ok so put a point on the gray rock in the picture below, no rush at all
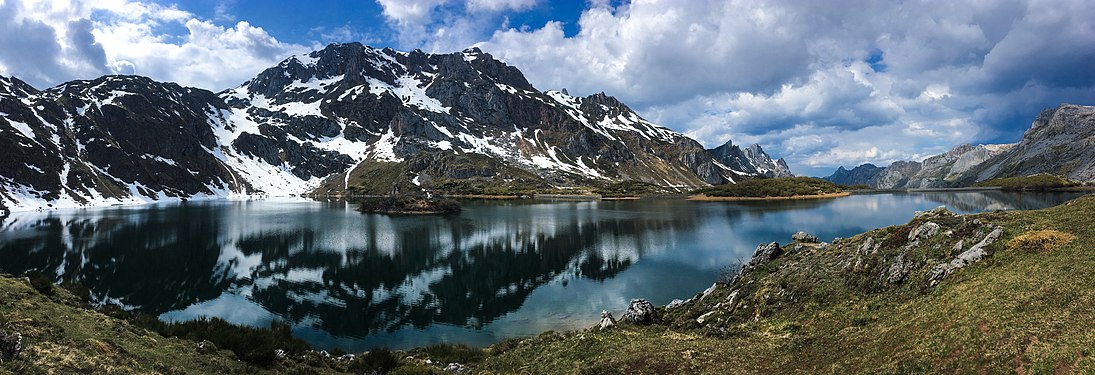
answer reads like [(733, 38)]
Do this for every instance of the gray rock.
[(973, 255), (765, 253), (899, 270), (732, 300), (455, 368), (925, 230), (804, 237), (607, 321), (938, 211), (639, 311), (675, 304), (709, 290), (704, 317)]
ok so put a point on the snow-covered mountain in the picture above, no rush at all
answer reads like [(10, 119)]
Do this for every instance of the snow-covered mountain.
[(348, 119), (750, 162)]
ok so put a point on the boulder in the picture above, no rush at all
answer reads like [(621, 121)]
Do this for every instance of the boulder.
[(607, 321), (925, 230), (765, 252), (640, 312), (804, 237)]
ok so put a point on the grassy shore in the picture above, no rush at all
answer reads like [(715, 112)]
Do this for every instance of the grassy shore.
[(704, 197), (772, 188), (866, 304)]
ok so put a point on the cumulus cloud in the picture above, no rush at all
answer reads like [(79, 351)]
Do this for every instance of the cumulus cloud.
[(80, 40), (447, 25), (823, 83)]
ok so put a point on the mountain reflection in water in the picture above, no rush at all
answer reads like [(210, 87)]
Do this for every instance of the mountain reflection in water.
[(496, 270)]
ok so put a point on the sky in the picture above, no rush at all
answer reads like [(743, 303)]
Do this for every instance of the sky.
[(820, 83)]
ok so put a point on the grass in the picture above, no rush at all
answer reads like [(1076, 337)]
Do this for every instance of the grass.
[(629, 188), (773, 188), (1029, 183)]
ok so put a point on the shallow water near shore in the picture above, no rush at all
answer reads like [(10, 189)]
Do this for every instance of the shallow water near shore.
[(497, 270)]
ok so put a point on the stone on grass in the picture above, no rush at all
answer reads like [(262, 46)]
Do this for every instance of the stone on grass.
[(639, 311)]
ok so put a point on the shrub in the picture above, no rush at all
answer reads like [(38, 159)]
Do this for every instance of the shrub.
[(40, 282), (253, 345), (1040, 240), (448, 353), (376, 361)]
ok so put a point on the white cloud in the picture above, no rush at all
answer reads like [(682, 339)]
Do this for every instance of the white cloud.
[(81, 40), (795, 76), (499, 5)]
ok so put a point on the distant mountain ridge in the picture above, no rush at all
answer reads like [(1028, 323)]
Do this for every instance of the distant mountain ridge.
[(347, 119), (1059, 142)]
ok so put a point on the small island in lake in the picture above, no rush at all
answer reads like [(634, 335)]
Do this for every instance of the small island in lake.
[(771, 189), (409, 205)]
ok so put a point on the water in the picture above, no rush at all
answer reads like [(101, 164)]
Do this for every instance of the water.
[(497, 270)]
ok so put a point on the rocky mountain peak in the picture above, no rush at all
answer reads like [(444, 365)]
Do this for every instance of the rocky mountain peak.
[(11, 87)]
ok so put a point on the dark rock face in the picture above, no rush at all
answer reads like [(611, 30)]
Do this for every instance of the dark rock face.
[(866, 174), (750, 161), (113, 137)]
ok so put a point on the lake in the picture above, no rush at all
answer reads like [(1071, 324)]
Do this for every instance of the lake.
[(499, 269)]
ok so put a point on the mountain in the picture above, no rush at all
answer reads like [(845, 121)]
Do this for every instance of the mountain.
[(347, 119), (943, 170), (1059, 142), (750, 162), (866, 174)]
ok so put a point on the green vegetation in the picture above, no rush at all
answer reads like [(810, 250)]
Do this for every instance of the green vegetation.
[(480, 186), (629, 188), (408, 204), (773, 187), (253, 345), (1029, 183)]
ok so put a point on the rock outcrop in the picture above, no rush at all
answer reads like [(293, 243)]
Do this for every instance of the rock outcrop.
[(639, 311)]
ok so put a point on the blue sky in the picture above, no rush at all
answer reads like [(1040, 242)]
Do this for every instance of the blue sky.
[(822, 84)]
